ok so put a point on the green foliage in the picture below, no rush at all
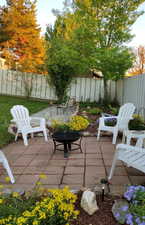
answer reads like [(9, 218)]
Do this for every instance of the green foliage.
[(107, 23), (84, 105), (94, 111), (113, 62), (113, 110), (61, 78), (103, 28), (137, 123), (6, 103), (63, 63)]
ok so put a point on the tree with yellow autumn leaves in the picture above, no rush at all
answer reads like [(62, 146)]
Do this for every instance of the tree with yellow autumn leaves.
[(20, 41)]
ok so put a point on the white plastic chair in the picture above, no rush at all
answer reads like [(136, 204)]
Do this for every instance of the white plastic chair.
[(5, 163), (23, 121), (124, 116), (133, 156)]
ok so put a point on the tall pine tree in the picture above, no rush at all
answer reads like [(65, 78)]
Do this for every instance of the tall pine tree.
[(20, 39)]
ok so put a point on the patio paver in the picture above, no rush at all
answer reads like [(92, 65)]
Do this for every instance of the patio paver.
[(79, 170)]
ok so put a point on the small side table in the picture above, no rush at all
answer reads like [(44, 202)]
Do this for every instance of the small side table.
[(138, 134)]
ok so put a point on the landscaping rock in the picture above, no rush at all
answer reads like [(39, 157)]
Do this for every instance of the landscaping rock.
[(88, 202), (120, 209)]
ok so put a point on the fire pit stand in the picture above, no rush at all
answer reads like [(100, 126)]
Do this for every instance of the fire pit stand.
[(67, 140)]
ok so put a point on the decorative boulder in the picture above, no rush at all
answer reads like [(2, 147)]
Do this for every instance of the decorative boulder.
[(119, 210), (88, 202)]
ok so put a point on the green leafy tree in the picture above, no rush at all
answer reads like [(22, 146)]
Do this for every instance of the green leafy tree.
[(113, 63), (103, 26), (96, 32), (63, 61), (20, 39)]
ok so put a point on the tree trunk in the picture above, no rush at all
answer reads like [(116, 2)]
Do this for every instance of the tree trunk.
[(106, 95)]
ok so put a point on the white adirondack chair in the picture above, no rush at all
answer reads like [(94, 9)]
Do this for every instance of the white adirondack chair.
[(124, 116), (5, 163), (23, 121), (133, 156)]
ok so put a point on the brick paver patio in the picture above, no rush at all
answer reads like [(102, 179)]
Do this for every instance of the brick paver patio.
[(79, 170)]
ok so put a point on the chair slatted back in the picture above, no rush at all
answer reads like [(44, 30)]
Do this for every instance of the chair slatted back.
[(125, 114), (21, 116)]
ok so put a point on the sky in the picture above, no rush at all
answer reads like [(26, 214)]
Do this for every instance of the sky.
[(45, 16)]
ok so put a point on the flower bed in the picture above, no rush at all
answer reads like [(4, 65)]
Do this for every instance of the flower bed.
[(53, 207)]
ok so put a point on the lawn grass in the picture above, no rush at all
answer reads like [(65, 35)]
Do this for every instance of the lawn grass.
[(6, 103)]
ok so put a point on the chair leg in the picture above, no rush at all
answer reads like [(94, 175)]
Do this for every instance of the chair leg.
[(25, 139), (7, 167), (115, 134), (113, 166), (98, 135), (32, 135), (123, 138), (45, 135), (16, 136)]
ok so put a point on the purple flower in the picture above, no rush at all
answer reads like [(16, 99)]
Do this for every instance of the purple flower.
[(124, 208), (130, 192), (117, 214), (137, 220), (140, 187), (128, 195), (142, 223), (129, 219)]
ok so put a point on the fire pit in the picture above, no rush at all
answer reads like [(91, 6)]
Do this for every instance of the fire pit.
[(67, 139)]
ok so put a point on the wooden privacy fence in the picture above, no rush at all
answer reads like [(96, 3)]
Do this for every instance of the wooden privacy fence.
[(22, 84), (132, 89)]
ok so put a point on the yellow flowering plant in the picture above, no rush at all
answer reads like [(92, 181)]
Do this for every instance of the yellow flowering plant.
[(75, 123), (55, 208)]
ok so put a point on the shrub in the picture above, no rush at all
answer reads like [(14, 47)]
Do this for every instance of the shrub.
[(56, 207), (94, 111), (113, 110), (137, 123)]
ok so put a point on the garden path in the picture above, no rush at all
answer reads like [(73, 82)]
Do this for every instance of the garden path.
[(55, 112)]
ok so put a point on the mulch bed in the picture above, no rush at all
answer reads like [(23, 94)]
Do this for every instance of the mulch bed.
[(101, 217)]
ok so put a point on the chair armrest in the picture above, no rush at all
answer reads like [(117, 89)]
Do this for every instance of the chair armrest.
[(110, 117), (106, 115), (12, 121), (41, 119), (130, 147), (103, 119), (36, 118)]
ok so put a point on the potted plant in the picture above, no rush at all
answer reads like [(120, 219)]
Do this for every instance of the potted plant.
[(75, 123)]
